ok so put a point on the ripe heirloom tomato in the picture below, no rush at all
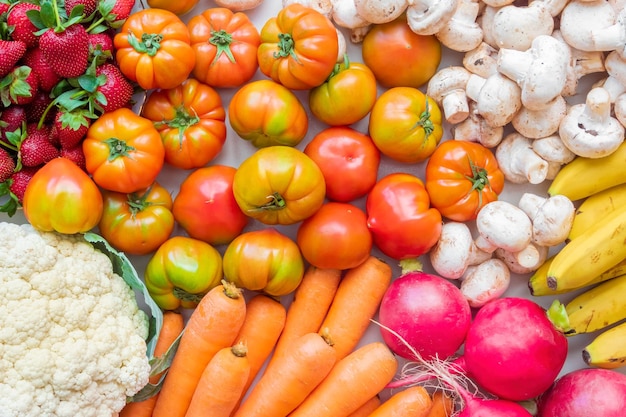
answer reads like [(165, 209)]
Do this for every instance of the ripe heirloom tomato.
[(335, 237), (335, 102), (348, 159), (179, 7), (61, 197), (225, 44), (191, 120), (153, 48), (267, 113), (400, 218), (182, 271), (123, 151), (405, 124), (264, 260), (279, 185), (299, 47), (461, 177), (205, 206), (137, 223), (400, 57)]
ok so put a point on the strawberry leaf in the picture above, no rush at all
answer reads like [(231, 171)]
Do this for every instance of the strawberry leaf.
[(10, 205), (89, 83), (47, 15)]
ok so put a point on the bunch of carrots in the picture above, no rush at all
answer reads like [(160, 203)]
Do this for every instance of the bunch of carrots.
[(314, 366)]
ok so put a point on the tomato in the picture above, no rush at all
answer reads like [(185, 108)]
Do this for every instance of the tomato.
[(405, 124), (267, 113), (400, 217), (205, 206), (137, 223), (123, 151), (335, 237), (400, 57), (348, 159), (225, 44), (153, 48), (61, 197), (182, 271), (264, 260), (191, 121), (335, 102), (279, 185), (461, 177), (299, 47), (179, 7)]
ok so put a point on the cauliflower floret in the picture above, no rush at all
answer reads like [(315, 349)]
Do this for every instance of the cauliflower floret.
[(72, 337)]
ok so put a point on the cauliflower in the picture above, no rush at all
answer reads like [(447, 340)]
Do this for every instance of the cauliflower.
[(72, 337)]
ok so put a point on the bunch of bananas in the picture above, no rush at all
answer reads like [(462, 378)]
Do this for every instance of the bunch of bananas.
[(594, 258)]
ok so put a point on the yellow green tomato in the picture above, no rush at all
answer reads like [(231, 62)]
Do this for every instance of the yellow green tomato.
[(182, 271)]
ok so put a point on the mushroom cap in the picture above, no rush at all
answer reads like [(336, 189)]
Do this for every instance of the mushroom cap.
[(504, 225), (579, 18), (380, 11), (427, 17), (451, 254), (553, 221)]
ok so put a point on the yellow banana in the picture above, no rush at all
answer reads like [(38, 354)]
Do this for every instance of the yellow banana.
[(583, 177), (608, 349), (598, 307), (595, 207), (592, 253)]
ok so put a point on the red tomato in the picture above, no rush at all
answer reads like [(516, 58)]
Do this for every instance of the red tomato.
[(335, 237), (205, 206), (349, 161)]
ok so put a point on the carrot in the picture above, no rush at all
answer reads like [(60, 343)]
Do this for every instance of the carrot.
[(443, 405), (213, 325), (414, 401), (221, 384), (356, 302), (310, 304), (290, 378), (367, 408), (173, 324), (352, 381)]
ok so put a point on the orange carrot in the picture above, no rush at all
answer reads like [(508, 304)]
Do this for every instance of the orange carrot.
[(367, 408), (356, 302), (290, 378), (221, 384), (414, 401), (213, 325), (443, 405), (173, 324), (352, 381), (310, 304)]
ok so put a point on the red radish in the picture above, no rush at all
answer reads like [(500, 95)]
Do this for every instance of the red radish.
[(585, 392), (428, 312)]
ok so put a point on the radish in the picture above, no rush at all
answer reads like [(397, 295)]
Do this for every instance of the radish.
[(585, 392), (428, 312)]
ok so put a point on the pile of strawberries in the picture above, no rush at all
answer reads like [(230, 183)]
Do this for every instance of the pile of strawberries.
[(57, 75)]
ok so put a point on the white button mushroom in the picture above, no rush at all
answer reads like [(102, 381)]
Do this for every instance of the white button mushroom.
[(519, 163), (535, 124), (447, 88), (620, 109), (580, 18), (497, 97), (462, 33), (553, 150), (325, 7), (475, 129), (380, 11), (588, 129), (615, 65), (427, 17), (485, 282), (501, 224), (525, 261), (551, 217), (515, 27), (344, 15), (611, 38), (482, 60), (485, 20)]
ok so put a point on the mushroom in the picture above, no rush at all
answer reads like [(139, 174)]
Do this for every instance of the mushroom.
[(325, 7), (380, 11), (462, 33), (551, 217), (485, 282), (447, 88), (615, 83), (611, 38), (501, 224), (540, 70), (588, 129), (580, 18), (498, 98), (519, 163), (427, 17), (525, 261), (475, 129), (620, 109), (344, 15), (455, 251), (481, 60), (535, 124), (515, 27), (552, 150), (485, 20), (238, 5)]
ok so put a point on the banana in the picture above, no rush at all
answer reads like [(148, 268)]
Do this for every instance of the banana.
[(596, 207), (598, 307), (592, 253), (608, 349), (583, 177)]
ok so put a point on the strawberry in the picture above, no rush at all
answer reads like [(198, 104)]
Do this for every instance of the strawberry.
[(22, 29), (36, 108), (69, 128), (90, 6), (7, 165), (11, 119), (11, 52), (115, 87), (100, 47), (19, 180), (36, 149), (76, 155), (4, 7), (67, 51), (19, 86), (35, 59), (122, 9)]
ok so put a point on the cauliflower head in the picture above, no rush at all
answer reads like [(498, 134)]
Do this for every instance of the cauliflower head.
[(72, 337)]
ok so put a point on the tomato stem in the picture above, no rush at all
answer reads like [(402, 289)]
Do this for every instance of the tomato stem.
[(150, 43), (138, 202), (222, 40), (479, 180), (181, 121), (118, 148), (286, 46), (425, 121), (276, 202)]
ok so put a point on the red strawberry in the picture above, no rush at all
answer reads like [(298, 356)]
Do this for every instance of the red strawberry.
[(76, 155), (36, 149), (21, 86), (22, 28), (35, 59), (36, 108), (90, 6), (116, 88), (19, 181), (69, 128), (100, 47), (4, 7), (7, 165), (11, 119), (67, 52), (122, 9), (11, 52)]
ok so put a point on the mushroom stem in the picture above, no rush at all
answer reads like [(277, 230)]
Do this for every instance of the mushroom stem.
[(519, 162)]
